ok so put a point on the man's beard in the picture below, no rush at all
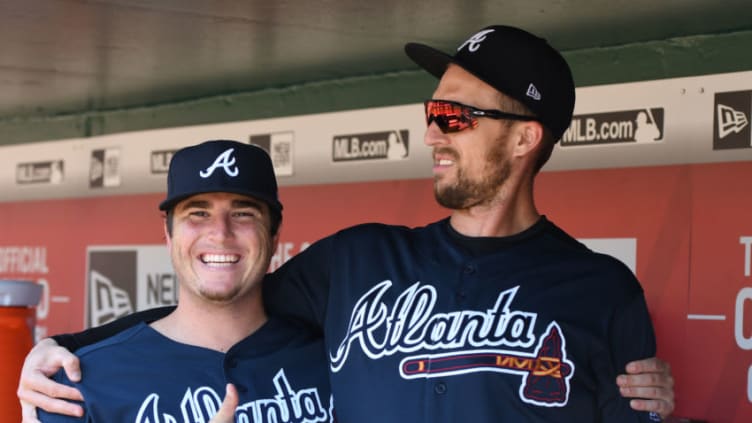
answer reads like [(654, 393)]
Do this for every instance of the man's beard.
[(465, 192), (222, 296)]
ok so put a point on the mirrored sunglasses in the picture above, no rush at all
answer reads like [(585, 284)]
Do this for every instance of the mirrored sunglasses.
[(451, 116)]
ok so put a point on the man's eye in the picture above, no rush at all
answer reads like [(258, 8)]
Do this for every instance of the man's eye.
[(199, 213), (246, 213)]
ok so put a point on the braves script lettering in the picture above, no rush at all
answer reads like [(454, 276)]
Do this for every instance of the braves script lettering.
[(412, 326), (199, 405)]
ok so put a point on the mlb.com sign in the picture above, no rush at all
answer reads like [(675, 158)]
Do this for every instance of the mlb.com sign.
[(641, 126), (390, 145)]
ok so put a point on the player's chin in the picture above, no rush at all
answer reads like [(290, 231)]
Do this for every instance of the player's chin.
[(221, 296)]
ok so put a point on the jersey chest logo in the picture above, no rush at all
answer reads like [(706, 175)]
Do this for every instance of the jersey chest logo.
[(494, 340), (201, 404)]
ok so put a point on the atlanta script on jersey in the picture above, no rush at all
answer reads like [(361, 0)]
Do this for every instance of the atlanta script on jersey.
[(425, 325), (140, 376)]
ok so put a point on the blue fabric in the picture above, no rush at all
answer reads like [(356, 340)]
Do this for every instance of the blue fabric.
[(419, 329), (141, 376)]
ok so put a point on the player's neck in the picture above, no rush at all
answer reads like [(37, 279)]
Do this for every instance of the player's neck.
[(212, 326), (511, 213)]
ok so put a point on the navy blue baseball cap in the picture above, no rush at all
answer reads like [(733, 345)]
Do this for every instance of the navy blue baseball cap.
[(515, 62), (221, 166)]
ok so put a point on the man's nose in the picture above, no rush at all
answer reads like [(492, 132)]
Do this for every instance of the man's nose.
[(222, 226), (434, 135)]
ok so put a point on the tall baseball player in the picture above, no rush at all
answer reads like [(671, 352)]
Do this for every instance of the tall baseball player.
[(493, 314), (222, 216)]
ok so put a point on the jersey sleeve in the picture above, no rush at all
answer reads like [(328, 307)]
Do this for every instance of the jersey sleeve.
[(46, 417), (631, 337), (74, 341), (299, 290)]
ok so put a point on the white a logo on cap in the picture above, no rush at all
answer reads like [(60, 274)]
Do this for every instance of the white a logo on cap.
[(225, 161), (473, 42)]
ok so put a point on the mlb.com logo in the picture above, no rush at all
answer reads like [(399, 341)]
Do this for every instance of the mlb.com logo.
[(385, 145), (731, 115)]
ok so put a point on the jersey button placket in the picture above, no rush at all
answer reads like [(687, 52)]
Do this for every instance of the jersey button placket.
[(460, 296), (468, 273), (440, 388), (231, 363)]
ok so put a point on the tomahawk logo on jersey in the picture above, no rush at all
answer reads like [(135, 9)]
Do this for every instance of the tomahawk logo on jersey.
[(412, 326)]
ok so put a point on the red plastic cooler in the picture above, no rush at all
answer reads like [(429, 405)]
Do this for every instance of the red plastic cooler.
[(18, 300)]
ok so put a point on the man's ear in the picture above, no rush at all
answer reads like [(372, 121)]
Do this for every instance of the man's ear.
[(529, 137), (275, 241), (167, 236)]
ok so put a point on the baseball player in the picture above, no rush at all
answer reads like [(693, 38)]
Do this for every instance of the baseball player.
[(493, 314), (222, 216)]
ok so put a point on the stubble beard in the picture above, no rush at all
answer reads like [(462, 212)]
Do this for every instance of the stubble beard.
[(467, 192), (222, 297)]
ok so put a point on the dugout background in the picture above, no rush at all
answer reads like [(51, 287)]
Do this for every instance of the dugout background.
[(96, 96)]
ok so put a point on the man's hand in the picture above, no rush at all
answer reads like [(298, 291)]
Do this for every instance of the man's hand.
[(35, 389), (226, 413), (651, 382)]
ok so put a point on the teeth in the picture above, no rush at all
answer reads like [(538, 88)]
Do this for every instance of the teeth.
[(219, 258), (446, 162)]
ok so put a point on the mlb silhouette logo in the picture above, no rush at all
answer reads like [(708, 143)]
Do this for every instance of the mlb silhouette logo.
[(731, 115)]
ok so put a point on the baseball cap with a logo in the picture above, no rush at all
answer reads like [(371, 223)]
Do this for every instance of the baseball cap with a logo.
[(221, 166), (515, 62)]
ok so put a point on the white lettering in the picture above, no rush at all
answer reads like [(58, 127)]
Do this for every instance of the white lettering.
[(23, 260), (412, 325), (591, 133), (749, 384), (354, 148), (161, 289), (286, 406), (43, 308), (747, 242), (616, 130), (201, 404), (744, 342), (340, 148)]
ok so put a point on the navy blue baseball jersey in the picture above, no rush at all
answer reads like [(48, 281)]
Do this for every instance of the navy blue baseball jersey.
[(425, 325), (140, 376)]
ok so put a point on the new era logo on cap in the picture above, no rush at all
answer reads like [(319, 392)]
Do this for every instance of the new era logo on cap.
[(533, 92), (221, 166)]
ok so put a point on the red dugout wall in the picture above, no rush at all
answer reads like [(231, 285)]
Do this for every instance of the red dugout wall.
[(81, 218), (688, 221)]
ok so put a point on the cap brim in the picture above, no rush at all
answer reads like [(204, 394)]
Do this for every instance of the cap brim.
[(432, 60), (171, 202)]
